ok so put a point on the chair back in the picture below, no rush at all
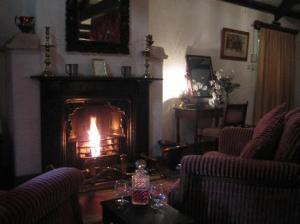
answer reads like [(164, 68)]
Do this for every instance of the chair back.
[(235, 114)]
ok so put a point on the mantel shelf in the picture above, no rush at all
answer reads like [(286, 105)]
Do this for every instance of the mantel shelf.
[(91, 78)]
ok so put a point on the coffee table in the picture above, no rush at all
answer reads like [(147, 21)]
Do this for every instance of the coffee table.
[(142, 214)]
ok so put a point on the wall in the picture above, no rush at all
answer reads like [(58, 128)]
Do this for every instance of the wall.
[(27, 149), (194, 27), (53, 15)]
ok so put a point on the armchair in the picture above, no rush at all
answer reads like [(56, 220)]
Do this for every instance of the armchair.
[(51, 197), (220, 187)]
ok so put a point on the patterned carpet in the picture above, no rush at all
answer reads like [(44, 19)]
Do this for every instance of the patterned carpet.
[(90, 201)]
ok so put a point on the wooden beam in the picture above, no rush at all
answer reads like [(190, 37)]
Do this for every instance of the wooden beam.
[(253, 5), (263, 7), (258, 25), (284, 8)]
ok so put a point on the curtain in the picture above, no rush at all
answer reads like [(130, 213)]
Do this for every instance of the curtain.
[(276, 71)]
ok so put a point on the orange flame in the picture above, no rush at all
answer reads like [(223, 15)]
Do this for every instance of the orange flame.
[(94, 138)]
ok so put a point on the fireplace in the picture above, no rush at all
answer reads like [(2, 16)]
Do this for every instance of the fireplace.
[(74, 109), (95, 128)]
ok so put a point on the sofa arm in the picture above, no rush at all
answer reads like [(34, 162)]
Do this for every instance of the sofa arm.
[(233, 139), (234, 168), (173, 195), (227, 189), (40, 196)]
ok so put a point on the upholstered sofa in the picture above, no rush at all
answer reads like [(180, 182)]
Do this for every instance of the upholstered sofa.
[(254, 177), (49, 198)]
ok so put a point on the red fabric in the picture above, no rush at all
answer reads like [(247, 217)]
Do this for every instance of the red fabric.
[(290, 113), (289, 145), (49, 198), (233, 190), (266, 135), (232, 140)]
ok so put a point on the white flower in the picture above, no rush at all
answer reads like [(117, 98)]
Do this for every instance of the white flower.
[(200, 85), (217, 87), (218, 75), (204, 88), (214, 95)]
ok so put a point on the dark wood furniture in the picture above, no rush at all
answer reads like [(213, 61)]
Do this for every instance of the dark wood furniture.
[(196, 114), (234, 115), (131, 214)]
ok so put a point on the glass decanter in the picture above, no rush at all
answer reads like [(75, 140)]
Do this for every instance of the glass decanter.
[(140, 184)]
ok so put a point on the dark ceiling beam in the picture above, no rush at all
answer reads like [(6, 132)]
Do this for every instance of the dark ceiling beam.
[(264, 7), (258, 25), (253, 5), (293, 14), (284, 8)]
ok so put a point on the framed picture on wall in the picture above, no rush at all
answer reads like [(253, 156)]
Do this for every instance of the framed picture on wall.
[(234, 44), (99, 67)]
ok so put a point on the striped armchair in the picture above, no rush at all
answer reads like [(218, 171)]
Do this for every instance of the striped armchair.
[(49, 198), (221, 187)]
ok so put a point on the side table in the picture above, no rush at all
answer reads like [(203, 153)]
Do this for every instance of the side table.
[(133, 214)]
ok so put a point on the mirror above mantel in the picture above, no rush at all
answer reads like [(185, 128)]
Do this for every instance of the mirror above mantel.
[(100, 26)]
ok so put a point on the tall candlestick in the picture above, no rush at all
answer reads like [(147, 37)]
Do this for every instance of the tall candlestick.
[(47, 61), (146, 54)]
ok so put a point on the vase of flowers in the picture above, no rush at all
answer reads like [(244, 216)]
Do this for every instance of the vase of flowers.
[(221, 87)]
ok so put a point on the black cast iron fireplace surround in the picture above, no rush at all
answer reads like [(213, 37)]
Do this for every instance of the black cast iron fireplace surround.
[(55, 90)]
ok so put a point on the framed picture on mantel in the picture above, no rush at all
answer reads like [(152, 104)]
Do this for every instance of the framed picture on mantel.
[(234, 45), (99, 67)]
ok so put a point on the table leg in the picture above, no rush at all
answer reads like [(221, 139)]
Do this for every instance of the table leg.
[(105, 216), (177, 130)]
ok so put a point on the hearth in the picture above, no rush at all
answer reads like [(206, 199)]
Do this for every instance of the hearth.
[(93, 123)]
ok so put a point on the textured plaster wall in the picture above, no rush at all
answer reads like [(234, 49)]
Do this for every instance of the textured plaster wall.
[(194, 27)]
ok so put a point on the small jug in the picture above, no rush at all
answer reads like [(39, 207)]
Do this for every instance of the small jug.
[(25, 23)]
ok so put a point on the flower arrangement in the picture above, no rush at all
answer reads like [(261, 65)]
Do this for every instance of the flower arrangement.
[(199, 88), (221, 87)]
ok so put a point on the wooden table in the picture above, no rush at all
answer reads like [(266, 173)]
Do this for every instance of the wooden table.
[(196, 114), (142, 214)]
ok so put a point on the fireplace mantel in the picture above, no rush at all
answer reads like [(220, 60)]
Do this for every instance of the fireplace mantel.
[(94, 78), (56, 89)]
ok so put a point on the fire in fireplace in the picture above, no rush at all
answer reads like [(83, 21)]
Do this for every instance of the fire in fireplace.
[(73, 108), (94, 128)]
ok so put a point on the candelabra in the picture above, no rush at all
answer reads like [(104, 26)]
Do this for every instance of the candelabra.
[(47, 45), (146, 53)]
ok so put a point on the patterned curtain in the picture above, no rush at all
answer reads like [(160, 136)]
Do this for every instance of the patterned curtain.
[(276, 71)]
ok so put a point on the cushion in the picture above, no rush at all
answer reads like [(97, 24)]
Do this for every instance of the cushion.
[(291, 113), (266, 135), (289, 146)]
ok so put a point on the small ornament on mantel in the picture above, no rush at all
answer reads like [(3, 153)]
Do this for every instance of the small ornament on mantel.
[(47, 45), (146, 53)]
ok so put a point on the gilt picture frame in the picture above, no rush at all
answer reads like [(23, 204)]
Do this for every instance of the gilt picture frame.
[(234, 44), (100, 67)]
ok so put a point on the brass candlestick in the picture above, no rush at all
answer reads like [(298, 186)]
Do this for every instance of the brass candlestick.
[(146, 53), (47, 61)]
